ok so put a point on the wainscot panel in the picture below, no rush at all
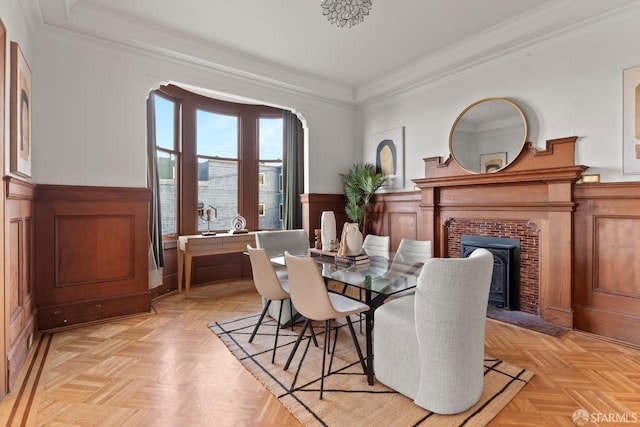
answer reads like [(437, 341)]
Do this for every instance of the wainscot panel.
[(18, 279), (606, 289), (91, 252)]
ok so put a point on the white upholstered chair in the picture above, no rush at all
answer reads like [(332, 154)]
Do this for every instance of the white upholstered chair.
[(430, 346), (376, 245), (311, 298), (270, 287), (276, 242)]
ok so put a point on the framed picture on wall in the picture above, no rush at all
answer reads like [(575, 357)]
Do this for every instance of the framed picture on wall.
[(492, 162), (20, 105), (631, 121), (387, 151)]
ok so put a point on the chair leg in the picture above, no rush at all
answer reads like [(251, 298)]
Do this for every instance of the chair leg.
[(324, 354), (313, 334), (307, 323), (291, 313), (275, 343), (355, 341), (333, 350), (295, 377), (264, 311)]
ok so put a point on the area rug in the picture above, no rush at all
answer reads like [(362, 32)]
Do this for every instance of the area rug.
[(347, 399)]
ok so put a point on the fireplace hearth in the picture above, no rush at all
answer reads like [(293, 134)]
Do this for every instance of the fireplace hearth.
[(505, 282)]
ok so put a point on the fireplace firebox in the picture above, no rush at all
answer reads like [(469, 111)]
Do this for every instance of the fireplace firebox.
[(505, 282)]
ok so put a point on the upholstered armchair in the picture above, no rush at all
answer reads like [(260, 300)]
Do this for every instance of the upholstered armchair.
[(429, 346)]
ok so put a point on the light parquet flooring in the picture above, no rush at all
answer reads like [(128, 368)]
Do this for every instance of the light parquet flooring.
[(168, 369)]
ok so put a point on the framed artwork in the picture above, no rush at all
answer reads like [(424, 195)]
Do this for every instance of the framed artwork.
[(631, 121), (20, 113), (387, 151), (492, 162)]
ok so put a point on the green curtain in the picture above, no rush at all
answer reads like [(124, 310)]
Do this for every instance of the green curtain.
[(153, 183), (293, 170)]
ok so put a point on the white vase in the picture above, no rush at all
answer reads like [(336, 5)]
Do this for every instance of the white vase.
[(327, 229), (353, 239)]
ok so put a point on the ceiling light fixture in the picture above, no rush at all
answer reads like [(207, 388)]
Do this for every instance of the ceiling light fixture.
[(345, 12)]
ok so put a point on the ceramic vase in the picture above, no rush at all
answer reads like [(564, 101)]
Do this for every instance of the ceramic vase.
[(353, 239), (328, 229)]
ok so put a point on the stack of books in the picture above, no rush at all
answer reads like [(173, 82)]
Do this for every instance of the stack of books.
[(350, 260)]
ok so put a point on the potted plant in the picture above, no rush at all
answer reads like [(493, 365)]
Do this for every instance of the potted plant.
[(360, 183)]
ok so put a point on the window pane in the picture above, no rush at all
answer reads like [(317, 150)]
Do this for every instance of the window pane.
[(165, 124), (167, 174), (217, 136), (270, 168)]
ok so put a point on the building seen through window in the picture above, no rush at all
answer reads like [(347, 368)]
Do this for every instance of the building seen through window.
[(205, 176)]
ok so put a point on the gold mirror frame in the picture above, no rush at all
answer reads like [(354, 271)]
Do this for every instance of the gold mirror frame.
[(489, 135)]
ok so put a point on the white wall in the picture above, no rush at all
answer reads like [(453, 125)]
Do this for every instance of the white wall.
[(571, 86), (17, 31), (89, 106), (89, 115)]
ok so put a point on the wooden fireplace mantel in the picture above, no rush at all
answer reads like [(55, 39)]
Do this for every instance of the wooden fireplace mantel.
[(537, 188), (557, 162)]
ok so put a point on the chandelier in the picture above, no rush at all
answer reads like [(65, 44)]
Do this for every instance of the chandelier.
[(345, 12)]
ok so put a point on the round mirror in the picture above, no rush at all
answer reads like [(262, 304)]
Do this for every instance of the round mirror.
[(488, 135)]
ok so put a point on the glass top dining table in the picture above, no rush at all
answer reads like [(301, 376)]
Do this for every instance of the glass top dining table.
[(378, 279)]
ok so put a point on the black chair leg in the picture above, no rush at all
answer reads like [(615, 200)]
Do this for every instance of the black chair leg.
[(355, 342), (333, 350), (313, 334), (291, 313), (324, 354), (264, 311), (295, 377), (275, 344), (307, 323)]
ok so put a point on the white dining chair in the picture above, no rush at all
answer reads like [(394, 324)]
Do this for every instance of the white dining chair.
[(270, 287), (374, 245), (414, 251), (311, 298), (409, 259), (276, 242)]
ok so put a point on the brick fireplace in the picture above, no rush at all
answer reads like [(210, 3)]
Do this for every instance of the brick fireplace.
[(528, 236), (531, 200)]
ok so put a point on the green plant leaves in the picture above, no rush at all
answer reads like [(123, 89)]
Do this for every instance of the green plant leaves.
[(360, 183)]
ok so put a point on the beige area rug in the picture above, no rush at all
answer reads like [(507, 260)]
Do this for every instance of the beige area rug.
[(348, 400)]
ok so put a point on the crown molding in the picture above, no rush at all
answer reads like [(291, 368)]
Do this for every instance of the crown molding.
[(554, 20), (88, 20)]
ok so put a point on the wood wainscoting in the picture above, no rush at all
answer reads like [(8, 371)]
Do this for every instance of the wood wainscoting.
[(396, 215), (91, 248), (606, 293), (314, 204), (18, 274)]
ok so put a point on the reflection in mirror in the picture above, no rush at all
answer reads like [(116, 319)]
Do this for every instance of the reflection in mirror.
[(488, 135)]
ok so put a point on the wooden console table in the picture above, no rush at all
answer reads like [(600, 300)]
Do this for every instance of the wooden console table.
[(198, 245)]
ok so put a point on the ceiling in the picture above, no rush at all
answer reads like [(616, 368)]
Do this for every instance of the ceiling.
[(290, 41)]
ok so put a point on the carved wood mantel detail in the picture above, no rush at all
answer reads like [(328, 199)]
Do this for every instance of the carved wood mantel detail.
[(537, 188)]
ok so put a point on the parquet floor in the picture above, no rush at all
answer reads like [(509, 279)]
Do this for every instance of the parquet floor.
[(168, 369)]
